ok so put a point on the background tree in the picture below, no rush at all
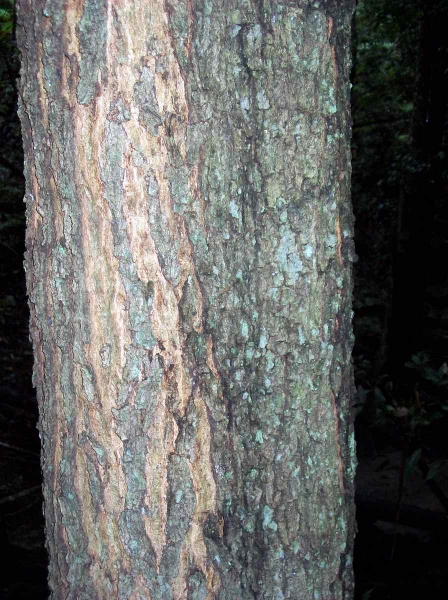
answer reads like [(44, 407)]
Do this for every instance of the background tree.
[(399, 106), (188, 270), (399, 183), (382, 99), (422, 207)]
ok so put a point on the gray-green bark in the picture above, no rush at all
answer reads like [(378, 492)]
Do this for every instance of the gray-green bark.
[(188, 267)]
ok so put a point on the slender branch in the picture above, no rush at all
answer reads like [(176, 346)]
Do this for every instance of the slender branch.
[(380, 122), (17, 449), (21, 494)]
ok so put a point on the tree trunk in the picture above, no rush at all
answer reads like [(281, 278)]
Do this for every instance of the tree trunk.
[(188, 269)]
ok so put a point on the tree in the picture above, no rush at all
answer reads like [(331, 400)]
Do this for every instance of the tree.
[(188, 269), (383, 78), (399, 107), (416, 260)]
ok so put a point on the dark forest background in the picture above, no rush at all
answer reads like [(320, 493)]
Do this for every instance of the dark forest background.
[(400, 198)]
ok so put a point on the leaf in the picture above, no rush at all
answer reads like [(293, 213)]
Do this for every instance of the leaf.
[(368, 594), (361, 394), (434, 469), (412, 461), (435, 415), (418, 360), (6, 27), (379, 396), (401, 412), (432, 375)]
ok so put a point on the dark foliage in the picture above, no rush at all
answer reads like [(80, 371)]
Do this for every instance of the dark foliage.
[(21, 523), (401, 289)]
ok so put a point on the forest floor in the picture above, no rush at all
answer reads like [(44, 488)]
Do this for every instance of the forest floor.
[(399, 553)]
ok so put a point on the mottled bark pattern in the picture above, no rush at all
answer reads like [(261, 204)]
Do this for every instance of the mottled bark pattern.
[(188, 266)]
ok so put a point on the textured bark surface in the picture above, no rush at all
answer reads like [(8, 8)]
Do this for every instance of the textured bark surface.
[(188, 268)]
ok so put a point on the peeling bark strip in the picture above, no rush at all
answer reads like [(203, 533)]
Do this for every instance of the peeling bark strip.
[(188, 268)]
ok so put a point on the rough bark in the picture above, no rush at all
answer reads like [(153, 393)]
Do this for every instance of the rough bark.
[(188, 270)]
